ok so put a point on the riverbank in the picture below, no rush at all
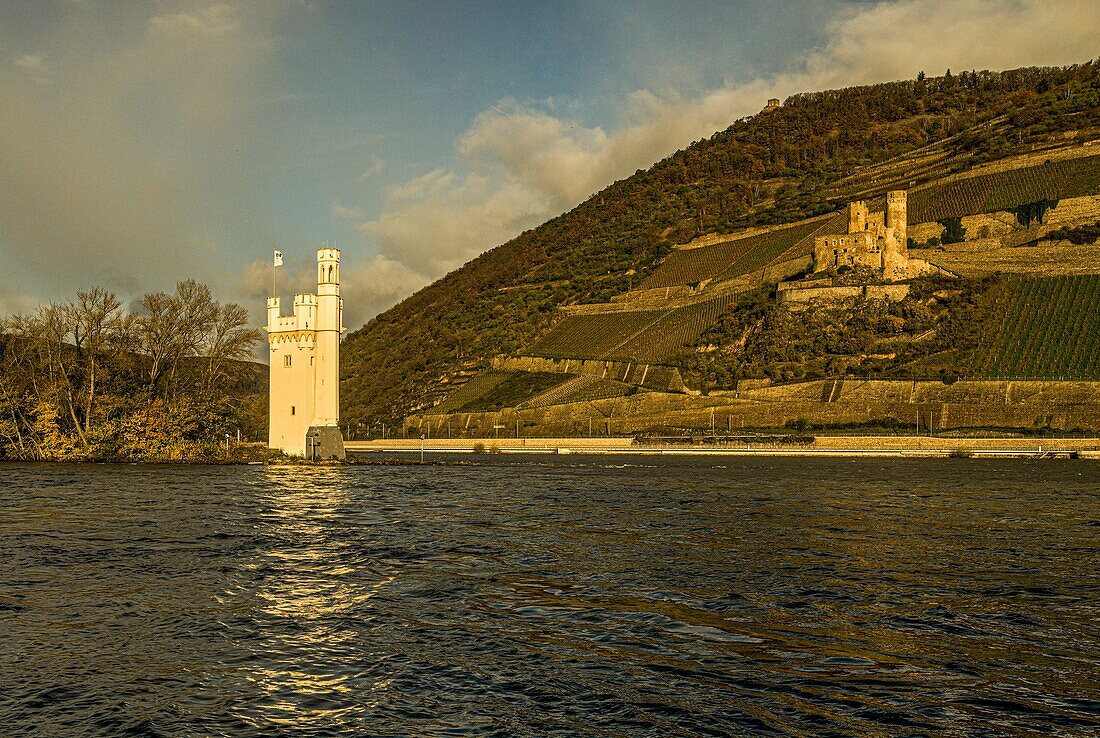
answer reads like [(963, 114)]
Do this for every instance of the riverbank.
[(213, 454), (822, 446)]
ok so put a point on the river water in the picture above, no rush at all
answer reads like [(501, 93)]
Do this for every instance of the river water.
[(534, 597)]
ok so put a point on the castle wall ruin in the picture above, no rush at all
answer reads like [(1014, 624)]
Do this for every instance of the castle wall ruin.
[(876, 241)]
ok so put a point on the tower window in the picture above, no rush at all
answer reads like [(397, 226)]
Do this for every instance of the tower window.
[(291, 409), (287, 359)]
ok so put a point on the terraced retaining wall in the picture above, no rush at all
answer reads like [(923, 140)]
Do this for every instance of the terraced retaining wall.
[(965, 404)]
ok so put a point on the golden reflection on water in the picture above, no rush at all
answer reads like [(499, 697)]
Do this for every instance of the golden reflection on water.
[(315, 579), (308, 593)]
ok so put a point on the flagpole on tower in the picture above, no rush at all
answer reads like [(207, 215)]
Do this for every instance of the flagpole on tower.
[(275, 272)]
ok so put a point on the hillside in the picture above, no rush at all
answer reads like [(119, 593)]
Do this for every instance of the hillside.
[(1041, 328), (801, 162)]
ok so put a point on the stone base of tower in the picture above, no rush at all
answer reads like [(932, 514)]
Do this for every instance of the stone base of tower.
[(324, 442)]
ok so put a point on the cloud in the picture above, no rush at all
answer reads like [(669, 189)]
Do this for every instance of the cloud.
[(427, 185), (15, 304), (34, 65), (104, 171), (555, 155), (438, 221), (216, 20), (890, 40), (524, 163), (340, 211), (377, 284), (374, 166)]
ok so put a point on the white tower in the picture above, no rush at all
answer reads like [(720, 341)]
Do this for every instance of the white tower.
[(304, 404)]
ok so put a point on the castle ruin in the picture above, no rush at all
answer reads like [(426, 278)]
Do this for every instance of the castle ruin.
[(874, 241)]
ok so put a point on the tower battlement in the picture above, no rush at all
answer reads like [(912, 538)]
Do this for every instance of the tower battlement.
[(304, 352)]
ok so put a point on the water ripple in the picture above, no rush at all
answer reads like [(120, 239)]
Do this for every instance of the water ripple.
[(533, 598)]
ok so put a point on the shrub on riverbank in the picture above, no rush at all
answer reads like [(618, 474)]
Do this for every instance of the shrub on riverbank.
[(169, 381)]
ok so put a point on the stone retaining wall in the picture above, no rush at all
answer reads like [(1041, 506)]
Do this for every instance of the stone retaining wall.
[(966, 404), (892, 292), (662, 378)]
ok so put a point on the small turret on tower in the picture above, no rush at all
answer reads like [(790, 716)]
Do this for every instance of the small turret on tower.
[(272, 314), (328, 267)]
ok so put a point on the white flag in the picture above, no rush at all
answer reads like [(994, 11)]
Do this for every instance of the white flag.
[(278, 258)]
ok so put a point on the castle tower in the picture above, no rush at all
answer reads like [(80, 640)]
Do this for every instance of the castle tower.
[(857, 216), (897, 218), (875, 240), (895, 256), (304, 351)]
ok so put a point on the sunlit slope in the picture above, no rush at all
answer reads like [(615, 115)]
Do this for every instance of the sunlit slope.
[(1006, 190), (801, 161), (738, 256), (652, 336), (984, 193)]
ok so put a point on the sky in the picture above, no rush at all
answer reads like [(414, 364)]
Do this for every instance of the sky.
[(143, 143)]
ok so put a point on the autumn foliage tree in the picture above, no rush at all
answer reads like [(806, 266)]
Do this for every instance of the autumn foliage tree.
[(75, 375)]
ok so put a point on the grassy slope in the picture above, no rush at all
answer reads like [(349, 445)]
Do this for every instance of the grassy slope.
[(771, 168)]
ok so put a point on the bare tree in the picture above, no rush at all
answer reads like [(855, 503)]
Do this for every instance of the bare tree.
[(96, 320), (13, 377), (59, 364), (153, 328), (198, 311), (56, 342), (230, 339)]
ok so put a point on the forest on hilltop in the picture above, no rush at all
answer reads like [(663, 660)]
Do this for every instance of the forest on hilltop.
[(770, 168)]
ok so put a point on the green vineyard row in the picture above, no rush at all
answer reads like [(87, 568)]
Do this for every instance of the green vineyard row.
[(1042, 328), (1006, 190), (649, 336), (729, 259)]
